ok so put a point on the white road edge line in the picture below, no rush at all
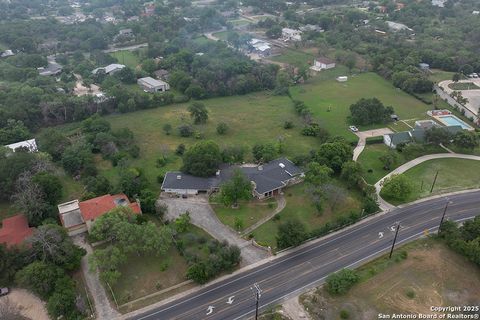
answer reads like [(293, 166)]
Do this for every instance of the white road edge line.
[(352, 264), (276, 263)]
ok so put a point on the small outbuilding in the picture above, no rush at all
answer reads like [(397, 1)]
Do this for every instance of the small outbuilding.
[(29, 145), (149, 84), (323, 63)]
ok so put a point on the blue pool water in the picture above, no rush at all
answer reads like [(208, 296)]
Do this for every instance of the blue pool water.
[(454, 121)]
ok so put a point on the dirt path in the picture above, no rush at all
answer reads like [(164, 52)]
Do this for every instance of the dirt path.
[(203, 216), (30, 305), (293, 309), (281, 203), (103, 309)]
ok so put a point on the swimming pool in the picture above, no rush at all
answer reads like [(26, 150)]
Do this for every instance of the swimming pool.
[(454, 121)]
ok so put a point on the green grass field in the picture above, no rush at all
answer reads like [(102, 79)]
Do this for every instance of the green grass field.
[(253, 118), (463, 86), (453, 175), (249, 212), (440, 75), (128, 58), (143, 275), (369, 159), (319, 95), (294, 57), (223, 35), (240, 22), (299, 206)]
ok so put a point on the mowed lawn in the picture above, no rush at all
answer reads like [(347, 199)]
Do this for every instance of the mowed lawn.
[(144, 275), (253, 118), (371, 164), (294, 57), (320, 95), (128, 58), (247, 213), (431, 275), (300, 207), (453, 175)]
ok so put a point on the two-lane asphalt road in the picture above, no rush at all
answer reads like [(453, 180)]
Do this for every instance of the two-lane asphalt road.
[(308, 266)]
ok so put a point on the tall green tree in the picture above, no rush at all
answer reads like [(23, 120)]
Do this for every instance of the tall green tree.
[(290, 233), (238, 187), (202, 159), (198, 112)]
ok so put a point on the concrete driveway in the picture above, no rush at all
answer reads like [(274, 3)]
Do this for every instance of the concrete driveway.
[(203, 216), (362, 139)]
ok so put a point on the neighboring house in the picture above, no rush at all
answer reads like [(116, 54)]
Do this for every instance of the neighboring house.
[(439, 3), (30, 145), (322, 63), (417, 134), (15, 230), (110, 69), (396, 26), (311, 27), (260, 47), (124, 34), (162, 74), (149, 84), (291, 34), (52, 69), (7, 53), (424, 66), (78, 216), (267, 179)]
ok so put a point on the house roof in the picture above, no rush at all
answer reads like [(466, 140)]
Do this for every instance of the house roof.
[(161, 72), (96, 207), (149, 81), (15, 230), (267, 177), (109, 68), (31, 145), (325, 60), (400, 137), (180, 180)]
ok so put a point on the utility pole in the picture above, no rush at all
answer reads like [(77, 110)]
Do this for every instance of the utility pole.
[(394, 240), (443, 215), (258, 293), (434, 181)]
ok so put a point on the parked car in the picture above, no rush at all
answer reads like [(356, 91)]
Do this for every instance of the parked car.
[(353, 128), (4, 291)]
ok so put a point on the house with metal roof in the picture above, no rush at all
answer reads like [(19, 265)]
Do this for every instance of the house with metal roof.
[(29, 145), (148, 84), (267, 179)]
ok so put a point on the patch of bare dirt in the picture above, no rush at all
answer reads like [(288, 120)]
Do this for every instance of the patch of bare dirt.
[(432, 275), (30, 306)]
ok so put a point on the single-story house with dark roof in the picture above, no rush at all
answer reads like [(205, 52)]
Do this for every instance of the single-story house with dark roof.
[(267, 179), (415, 135)]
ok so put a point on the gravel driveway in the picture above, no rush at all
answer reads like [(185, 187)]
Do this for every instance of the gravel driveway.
[(203, 216), (103, 309)]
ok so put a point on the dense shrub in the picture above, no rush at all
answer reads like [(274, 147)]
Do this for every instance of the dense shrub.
[(341, 281)]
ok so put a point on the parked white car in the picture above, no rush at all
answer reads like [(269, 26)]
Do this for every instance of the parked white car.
[(353, 128)]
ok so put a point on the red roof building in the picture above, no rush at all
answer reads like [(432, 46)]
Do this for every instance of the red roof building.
[(15, 230), (78, 217), (93, 208)]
